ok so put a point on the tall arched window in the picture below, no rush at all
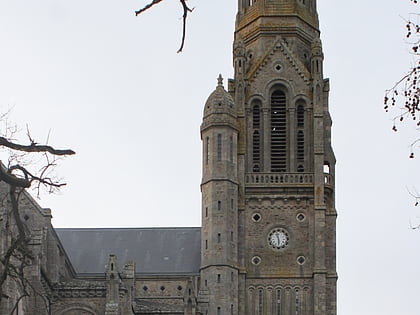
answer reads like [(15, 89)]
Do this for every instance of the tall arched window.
[(300, 137), (256, 138), (260, 302), (278, 132), (278, 302), (297, 302)]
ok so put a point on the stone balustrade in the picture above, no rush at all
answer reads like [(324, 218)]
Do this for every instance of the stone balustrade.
[(304, 179)]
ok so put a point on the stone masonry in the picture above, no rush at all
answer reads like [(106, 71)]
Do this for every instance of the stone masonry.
[(267, 241)]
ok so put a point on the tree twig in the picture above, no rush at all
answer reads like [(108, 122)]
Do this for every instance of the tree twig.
[(186, 10)]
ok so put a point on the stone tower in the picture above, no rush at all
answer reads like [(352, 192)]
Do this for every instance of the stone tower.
[(268, 211)]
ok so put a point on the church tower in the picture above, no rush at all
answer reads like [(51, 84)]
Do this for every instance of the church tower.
[(268, 210)]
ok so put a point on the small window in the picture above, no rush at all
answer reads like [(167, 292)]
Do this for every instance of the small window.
[(207, 244), (231, 203), (256, 260), (219, 237), (301, 260), (219, 310), (207, 212), (219, 205), (256, 217), (300, 217), (218, 278)]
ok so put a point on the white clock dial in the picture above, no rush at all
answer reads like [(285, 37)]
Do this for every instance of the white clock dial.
[(278, 238)]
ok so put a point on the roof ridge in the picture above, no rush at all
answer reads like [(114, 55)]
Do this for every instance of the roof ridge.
[(129, 228)]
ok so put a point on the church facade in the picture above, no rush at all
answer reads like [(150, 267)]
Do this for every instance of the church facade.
[(267, 241)]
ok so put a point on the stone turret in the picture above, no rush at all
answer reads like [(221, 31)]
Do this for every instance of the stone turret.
[(219, 133)]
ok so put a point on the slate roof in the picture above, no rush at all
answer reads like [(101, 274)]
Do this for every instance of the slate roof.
[(154, 250)]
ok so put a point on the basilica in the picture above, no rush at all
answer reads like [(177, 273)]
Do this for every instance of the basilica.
[(266, 245)]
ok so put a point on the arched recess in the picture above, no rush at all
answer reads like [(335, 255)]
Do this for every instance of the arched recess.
[(77, 310)]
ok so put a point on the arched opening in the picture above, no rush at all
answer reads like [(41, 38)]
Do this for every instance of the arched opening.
[(300, 136), (256, 137), (278, 132)]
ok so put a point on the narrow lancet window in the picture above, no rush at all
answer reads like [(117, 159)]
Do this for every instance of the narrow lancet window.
[(260, 302), (300, 137), (297, 303), (256, 138), (278, 132), (231, 149), (278, 302), (207, 151), (219, 147)]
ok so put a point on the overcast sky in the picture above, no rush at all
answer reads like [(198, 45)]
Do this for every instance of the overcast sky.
[(112, 87)]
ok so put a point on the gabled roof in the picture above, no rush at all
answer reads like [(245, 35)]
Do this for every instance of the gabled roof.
[(154, 250)]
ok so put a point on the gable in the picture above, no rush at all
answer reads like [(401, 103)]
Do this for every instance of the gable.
[(279, 51)]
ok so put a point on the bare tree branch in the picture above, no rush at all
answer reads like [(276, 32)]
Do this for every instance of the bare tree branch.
[(21, 173), (185, 9), (34, 147), (148, 6)]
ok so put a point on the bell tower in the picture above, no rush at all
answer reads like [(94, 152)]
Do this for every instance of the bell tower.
[(275, 120)]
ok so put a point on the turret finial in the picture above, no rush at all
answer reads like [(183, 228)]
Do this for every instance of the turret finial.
[(220, 80)]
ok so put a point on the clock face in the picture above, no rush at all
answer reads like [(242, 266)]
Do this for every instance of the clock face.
[(278, 238)]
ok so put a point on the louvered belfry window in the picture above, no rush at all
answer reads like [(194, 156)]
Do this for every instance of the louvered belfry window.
[(300, 140), (256, 138), (278, 132)]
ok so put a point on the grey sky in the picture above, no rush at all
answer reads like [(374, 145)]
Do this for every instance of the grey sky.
[(111, 87)]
